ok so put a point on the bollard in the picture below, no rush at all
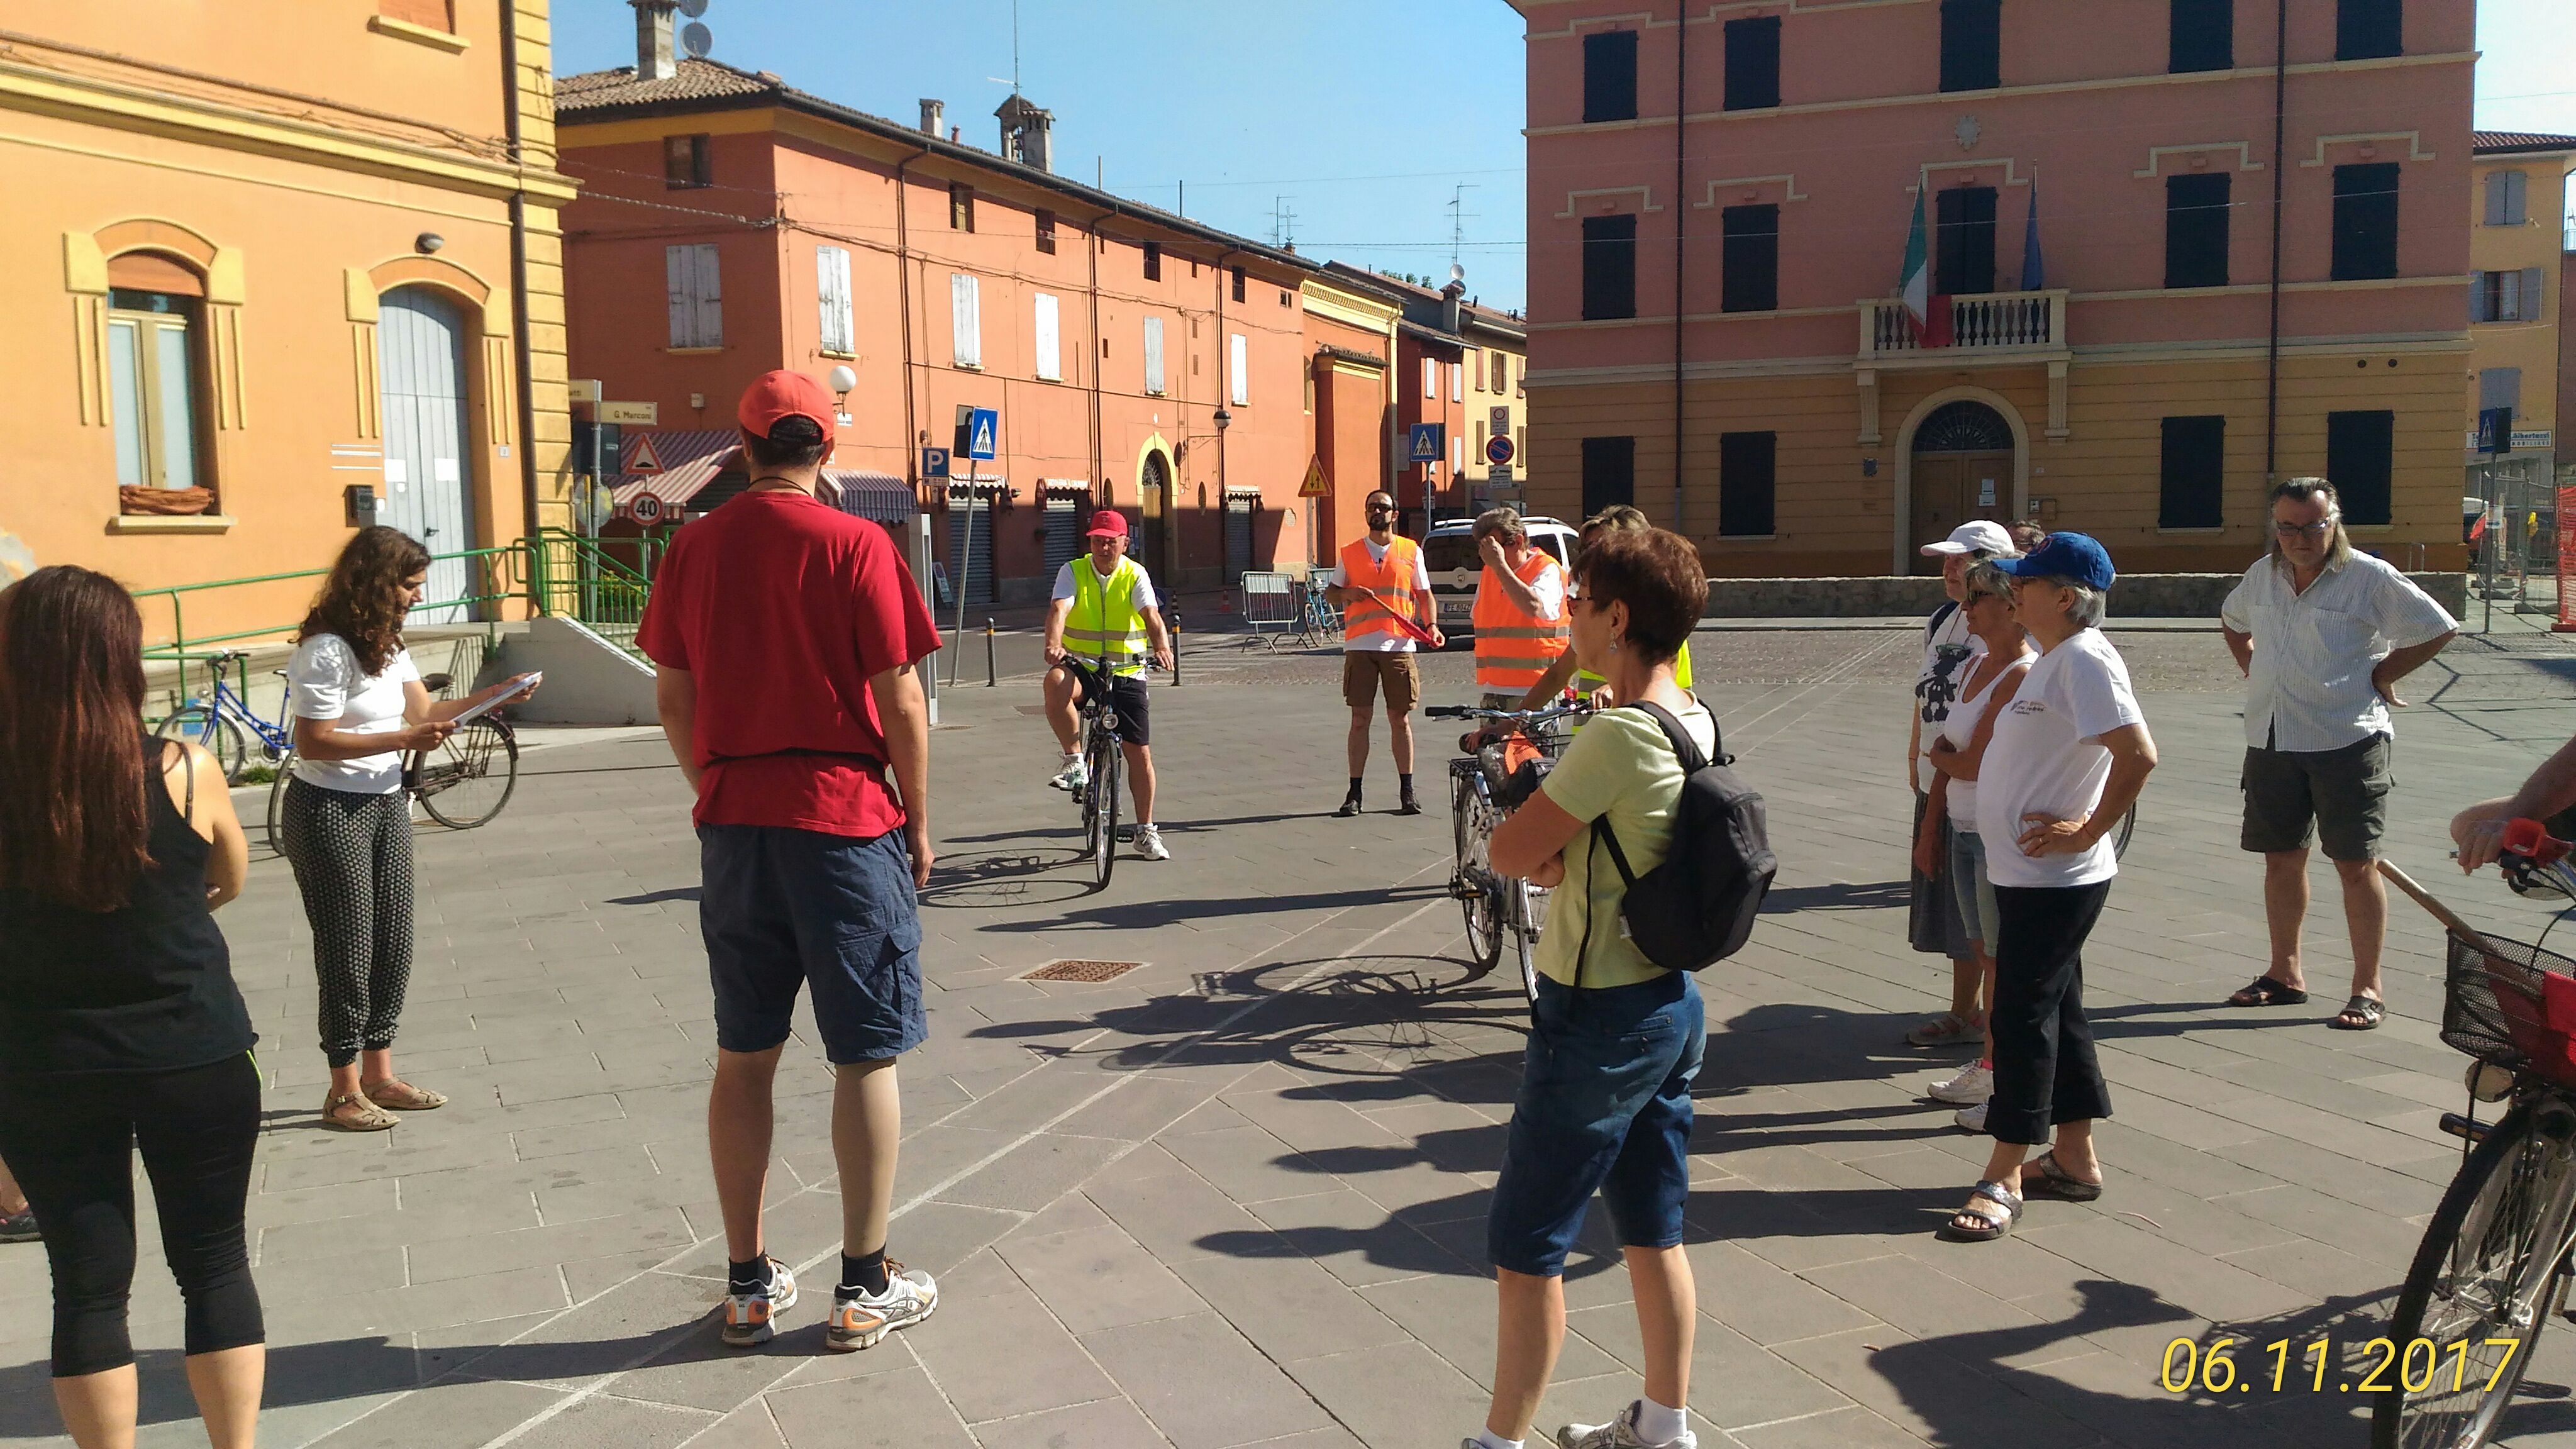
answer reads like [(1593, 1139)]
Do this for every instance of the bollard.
[(990, 677), (1176, 647)]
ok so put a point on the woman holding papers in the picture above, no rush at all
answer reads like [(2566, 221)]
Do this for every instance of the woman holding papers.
[(359, 707)]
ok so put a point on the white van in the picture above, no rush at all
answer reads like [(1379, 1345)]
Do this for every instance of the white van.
[(1450, 556)]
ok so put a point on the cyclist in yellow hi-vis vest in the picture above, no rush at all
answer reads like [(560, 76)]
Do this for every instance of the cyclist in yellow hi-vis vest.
[(1104, 623)]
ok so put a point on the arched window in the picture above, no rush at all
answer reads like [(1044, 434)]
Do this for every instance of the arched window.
[(1964, 427), (156, 382)]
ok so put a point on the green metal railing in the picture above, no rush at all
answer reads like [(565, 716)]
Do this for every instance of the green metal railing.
[(556, 573)]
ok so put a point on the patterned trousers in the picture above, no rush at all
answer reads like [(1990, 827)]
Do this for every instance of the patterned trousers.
[(352, 859)]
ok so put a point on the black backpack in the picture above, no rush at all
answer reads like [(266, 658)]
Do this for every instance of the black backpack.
[(1698, 907)]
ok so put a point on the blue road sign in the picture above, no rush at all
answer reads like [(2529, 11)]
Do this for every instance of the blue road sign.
[(934, 462), (1428, 442), (982, 429), (1498, 448)]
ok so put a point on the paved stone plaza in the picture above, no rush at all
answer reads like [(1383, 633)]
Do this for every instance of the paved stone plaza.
[(1236, 1196)]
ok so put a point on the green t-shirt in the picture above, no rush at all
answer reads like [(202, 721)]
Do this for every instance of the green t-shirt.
[(1620, 766)]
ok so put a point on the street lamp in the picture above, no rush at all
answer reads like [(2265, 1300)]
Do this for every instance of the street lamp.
[(842, 380), (1223, 420)]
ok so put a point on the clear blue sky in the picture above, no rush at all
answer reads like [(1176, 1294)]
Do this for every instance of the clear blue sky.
[(1365, 116)]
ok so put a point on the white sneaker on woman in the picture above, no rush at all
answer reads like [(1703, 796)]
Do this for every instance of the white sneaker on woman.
[(1971, 1119), (1619, 1433), (1974, 1084), (1149, 843)]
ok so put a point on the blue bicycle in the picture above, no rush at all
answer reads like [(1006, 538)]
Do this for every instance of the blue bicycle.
[(223, 726)]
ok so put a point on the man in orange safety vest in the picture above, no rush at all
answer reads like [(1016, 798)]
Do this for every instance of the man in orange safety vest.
[(1520, 610), (1384, 593)]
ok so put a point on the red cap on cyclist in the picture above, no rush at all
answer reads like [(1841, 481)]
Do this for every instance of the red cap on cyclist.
[(1107, 523)]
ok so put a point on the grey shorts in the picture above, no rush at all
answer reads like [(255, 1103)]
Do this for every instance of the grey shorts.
[(2342, 793), (1977, 909)]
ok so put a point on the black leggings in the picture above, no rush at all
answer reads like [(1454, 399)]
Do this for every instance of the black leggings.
[(71, 1140), (2045, 1069)]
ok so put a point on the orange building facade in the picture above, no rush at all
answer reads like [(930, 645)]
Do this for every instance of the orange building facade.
[(1132, 358), (1720, 205), (265, 255)]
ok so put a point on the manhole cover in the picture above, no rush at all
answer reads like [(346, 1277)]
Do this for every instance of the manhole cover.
[(1082, 971)]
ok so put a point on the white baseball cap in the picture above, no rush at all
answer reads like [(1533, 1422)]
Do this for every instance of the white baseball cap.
[(1975, 534)]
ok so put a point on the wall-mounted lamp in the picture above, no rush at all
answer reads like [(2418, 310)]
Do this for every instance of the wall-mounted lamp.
[(427, 242), (841, 379)]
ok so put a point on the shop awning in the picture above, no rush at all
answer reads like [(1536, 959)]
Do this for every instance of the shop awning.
[(879, 496), (689, 460)]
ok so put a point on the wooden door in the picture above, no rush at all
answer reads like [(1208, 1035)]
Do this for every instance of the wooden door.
[(1951, 488)]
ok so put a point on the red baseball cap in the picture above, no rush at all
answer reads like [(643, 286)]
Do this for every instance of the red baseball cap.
[(783, 394), (1107, 523)]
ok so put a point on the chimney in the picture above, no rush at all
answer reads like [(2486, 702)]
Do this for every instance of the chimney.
[(653, 56), (1449, 296), (1027, 133), (934, 116)]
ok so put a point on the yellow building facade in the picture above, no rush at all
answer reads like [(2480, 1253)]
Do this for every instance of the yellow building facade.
[(264, 259), (2516, 238)]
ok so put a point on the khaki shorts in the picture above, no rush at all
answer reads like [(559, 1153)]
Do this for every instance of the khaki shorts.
[(1364, 671)]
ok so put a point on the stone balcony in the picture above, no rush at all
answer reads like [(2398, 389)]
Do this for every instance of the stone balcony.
[(1987, 329)]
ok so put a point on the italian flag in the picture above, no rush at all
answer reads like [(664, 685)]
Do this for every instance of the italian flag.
[(1930, 310)]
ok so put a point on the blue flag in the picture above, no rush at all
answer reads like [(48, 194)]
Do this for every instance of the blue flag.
[(2034, 271)]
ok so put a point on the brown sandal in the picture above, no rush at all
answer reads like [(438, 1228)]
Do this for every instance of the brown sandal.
[(350, 1112), (402, 1096)]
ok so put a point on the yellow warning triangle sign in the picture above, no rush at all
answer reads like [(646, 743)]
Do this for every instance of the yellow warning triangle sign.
[(1316, 485), (640, 457)]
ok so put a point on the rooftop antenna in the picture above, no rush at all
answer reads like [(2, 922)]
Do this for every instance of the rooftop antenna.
[(1458, 219), (1015, 47), (1283, 222)]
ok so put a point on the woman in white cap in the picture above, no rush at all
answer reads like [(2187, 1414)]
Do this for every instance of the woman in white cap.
[(1933, 922)]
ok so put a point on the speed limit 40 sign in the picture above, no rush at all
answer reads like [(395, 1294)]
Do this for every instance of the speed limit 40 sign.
[(646, 508)]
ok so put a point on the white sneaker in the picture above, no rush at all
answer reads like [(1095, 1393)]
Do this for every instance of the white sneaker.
[(1971, 1119), (863, 1321), (1619, 1433), (1974, 1084), (1149, 843), (750, 1319), (1073, 776)]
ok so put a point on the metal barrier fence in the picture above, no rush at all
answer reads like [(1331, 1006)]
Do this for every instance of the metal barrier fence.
[(1270, 602)]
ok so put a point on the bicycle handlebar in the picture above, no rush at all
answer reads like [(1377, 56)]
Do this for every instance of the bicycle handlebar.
[(1525, 716), (2533, 860)]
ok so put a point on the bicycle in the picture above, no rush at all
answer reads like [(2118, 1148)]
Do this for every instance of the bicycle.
[(455, 783), (217, 724), (1105, 762), (2493, 1266), (1319, 624), (1484, 785)]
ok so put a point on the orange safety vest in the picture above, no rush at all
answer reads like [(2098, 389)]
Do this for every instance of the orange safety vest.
[(1393, 581), (1513, 647)]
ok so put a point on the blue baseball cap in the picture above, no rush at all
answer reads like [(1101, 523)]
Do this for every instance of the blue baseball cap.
[(2064, 556)]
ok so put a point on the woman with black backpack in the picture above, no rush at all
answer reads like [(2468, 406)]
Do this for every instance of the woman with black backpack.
[(1615, 1039)]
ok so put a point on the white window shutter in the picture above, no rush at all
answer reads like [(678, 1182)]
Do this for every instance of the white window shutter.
[(1430, 378), (832, 297), (966, 322), (2535, 294), (1238, 385), (1457, 456), (1048, 363), (683, 298), (710, 298), (1457, 382), (1154, 355)]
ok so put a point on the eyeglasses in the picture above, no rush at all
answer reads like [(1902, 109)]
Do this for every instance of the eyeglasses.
[(2303, 530)]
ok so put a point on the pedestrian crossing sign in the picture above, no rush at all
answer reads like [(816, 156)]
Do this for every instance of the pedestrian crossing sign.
[(982, 427), (1316, 485)]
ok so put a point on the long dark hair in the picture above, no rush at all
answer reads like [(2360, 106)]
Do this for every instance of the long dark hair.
[(364, 599), (72, 824)]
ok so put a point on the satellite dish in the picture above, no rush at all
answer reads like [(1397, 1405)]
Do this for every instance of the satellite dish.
[(696, 39), (1457, 273), (693, 8)]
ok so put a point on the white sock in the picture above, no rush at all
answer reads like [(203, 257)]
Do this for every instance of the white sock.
[(1488, 1439), (1657, 1424)]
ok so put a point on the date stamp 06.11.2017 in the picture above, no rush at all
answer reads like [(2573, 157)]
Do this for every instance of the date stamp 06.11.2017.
[(2420, 1366)]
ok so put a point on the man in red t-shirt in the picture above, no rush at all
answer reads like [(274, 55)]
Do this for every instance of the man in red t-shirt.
[(782, 633)]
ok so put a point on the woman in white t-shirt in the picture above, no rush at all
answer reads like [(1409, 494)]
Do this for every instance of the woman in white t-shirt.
[(2066, 761), (1932, 920), (359, 708), (1956, 752)]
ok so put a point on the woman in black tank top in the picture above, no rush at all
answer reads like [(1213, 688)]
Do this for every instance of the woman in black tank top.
[(120, 1026)]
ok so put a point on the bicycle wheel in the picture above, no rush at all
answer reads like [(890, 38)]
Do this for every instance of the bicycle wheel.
[(1471, 822), (2490, 1264), (277, 803), (200, 725), (1105, 763), (469, 777), (1525, 938)]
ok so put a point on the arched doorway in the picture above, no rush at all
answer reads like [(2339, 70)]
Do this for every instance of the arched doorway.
[(1154, 500), (420, 341), (1962, 469)]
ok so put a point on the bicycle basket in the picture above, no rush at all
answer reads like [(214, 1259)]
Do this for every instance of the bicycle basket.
[(2512, 1005)]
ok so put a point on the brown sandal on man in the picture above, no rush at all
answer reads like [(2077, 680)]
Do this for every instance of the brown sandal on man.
[(402, 1096), (351, 1112)]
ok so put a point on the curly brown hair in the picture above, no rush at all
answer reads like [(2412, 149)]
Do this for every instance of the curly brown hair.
[(363, 601)]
